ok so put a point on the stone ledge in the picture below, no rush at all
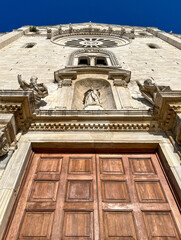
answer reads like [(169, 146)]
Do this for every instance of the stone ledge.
[(171, 39), (11, 37)]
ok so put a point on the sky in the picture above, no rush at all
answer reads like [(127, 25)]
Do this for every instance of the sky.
[(163, 14)]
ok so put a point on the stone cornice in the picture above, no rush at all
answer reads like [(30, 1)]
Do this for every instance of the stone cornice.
[(114, 73), (64, 126), (20, 103), (168, 112), (91, 30)]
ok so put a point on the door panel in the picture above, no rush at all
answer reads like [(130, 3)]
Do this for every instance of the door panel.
[(95, 196)]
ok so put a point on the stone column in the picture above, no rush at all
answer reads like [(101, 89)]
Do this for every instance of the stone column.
[(92, 61)]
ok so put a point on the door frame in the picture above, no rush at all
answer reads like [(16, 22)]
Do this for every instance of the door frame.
[(13, 175)]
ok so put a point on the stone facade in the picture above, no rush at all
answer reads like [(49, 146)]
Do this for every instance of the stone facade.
[(91, 92)]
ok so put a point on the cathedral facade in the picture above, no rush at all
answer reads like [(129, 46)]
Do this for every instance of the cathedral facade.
[(90, 129)]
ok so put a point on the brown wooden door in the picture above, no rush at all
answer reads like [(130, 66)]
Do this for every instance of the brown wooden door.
[(88, 196)]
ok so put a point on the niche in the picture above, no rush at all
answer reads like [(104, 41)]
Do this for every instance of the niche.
[(82, 86)]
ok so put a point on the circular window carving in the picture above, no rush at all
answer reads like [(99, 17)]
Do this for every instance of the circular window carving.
[(91, 42)]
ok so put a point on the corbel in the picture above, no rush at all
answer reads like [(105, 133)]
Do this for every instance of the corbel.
[(120, 78), (64, 78)]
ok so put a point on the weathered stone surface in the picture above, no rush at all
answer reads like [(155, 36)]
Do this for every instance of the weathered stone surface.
[(116, 117)]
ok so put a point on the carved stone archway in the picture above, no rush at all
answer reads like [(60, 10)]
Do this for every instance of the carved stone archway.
[(103, 52)]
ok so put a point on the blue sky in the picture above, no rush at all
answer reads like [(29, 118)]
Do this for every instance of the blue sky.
[(163, 14)]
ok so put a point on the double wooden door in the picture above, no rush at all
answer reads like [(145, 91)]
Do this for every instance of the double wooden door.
[(95, 196)]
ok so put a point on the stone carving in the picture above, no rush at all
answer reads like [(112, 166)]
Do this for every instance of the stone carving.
[(110, 30), (54, 126), (123, 31), (120, 83), (149, 90), (4, 146), (70, 28), (132, 33), (39, 89), (90, 26), (91, 97), (49, 33), (91, 30), (60, 29)]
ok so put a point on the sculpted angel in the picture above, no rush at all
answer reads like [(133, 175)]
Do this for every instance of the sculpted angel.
[(39, 89), (149, 90)]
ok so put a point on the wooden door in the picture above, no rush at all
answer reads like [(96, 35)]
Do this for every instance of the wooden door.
[(135, 201), (100, 197)]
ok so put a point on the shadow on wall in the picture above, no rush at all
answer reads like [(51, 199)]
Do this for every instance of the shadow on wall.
[(82, 86)]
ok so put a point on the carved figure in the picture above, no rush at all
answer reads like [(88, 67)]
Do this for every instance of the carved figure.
[(60, 29), (4, 147), (90, 26), (149, 90), (123, 31), (70, 28), (92, 97), (39, 89), (110, 30)]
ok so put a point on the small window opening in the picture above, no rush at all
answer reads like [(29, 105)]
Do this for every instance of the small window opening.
[(83, 61), (153, 46), (30, 45), (101, 61), (143, 34)]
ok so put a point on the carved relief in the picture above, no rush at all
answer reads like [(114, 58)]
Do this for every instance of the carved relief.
[(4, 146), (7, 134), (92, 98), (149, 90), (120, 78), (39, 89)]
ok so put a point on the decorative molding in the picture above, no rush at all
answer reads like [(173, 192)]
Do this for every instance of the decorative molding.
[(120, 78), (57, 126), (92, 31), (166, 114), (7, 133), (71, 73), (167, 109), (65, 83), (20, 104)]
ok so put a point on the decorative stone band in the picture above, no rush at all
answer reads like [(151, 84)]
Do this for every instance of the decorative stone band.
[(90, 31), (10, 108), (65, 76), (57, 126)]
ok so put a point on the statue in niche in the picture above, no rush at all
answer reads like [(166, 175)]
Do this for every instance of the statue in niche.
[(39, 89), (91, 97), (149, 90)]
